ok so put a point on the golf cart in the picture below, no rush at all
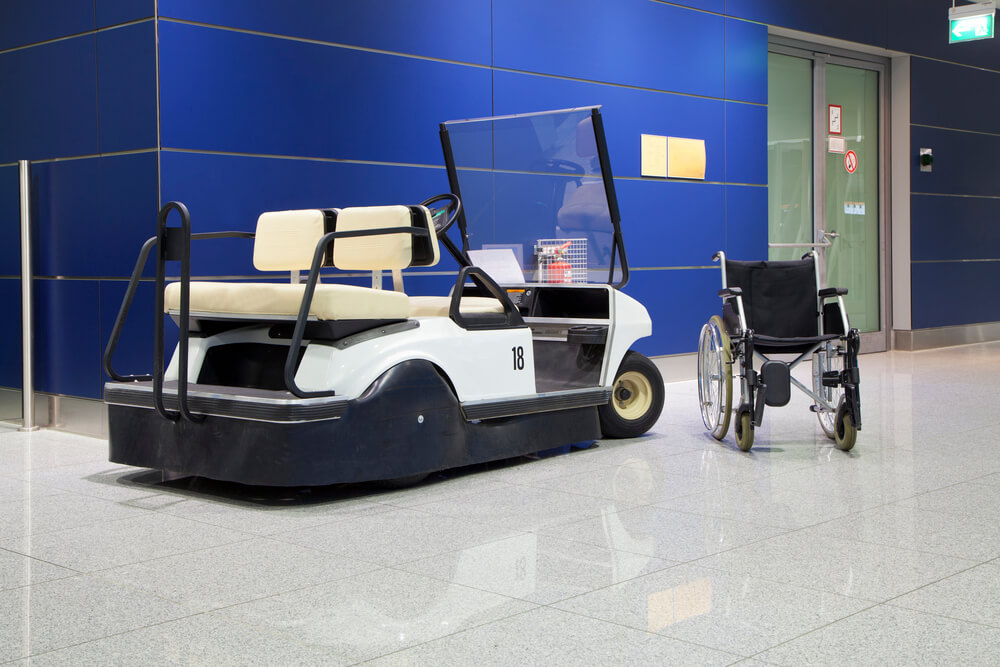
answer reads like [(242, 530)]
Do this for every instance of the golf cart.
[(312, 383)]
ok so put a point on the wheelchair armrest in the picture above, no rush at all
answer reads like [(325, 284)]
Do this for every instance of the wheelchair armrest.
[(730, 292), (827, 292)]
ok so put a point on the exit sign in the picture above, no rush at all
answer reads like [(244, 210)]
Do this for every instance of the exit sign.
[(971, 22)]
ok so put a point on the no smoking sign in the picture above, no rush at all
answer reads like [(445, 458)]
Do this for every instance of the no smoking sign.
[(851, 162)]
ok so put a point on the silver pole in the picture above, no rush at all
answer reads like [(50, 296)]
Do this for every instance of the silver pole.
[(27, 328)]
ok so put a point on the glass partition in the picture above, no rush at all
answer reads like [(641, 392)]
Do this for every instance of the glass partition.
[(534, 187)]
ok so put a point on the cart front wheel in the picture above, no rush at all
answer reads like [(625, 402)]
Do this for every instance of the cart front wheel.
[(636, 398)]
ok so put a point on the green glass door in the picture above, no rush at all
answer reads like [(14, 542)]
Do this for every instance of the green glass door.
[(825, 176), (852, 192)]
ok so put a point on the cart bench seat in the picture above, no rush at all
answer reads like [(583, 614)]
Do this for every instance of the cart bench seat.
[(438, 306), (330, 302)]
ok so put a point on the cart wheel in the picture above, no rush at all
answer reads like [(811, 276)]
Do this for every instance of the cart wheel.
[(744, 431), (715, 377), (825, 359), (846, 433), (636, 398)]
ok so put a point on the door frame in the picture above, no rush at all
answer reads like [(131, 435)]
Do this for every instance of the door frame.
[(821, 56)]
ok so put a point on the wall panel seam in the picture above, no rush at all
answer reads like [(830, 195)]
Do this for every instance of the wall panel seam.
[(955, 129), (75, 35)]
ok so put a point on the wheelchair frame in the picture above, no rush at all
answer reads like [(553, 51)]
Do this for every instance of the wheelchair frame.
[(835, 392)]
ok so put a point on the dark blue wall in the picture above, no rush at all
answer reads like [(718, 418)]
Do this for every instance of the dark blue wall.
[(300, 103), (83, 109)]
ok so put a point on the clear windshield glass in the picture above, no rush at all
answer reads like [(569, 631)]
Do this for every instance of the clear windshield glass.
[(532, 188)]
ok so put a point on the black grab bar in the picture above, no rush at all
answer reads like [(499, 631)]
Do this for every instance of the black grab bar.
[(174, 244)]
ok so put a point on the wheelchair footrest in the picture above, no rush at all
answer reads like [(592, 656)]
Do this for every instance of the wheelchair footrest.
[(777, 377)]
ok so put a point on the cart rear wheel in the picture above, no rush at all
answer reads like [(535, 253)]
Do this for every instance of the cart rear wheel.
[(846, 433), (636, 398), (744, 431), (715, 377)]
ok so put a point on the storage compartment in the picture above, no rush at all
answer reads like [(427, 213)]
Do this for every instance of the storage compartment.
[(251, 365)]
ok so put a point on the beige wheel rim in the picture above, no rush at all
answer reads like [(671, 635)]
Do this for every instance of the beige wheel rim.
[(632, 395)]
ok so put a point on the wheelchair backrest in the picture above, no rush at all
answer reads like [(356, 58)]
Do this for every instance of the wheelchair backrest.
[(779, 298)]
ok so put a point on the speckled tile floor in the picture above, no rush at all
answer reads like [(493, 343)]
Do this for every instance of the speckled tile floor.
[(668, 549)]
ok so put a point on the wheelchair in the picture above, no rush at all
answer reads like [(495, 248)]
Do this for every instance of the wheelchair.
[(777, 308)]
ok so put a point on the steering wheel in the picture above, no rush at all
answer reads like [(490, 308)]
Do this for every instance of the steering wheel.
[(560, 166), (445, 216)]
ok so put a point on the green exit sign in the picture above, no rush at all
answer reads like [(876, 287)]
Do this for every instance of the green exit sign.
[(971, 22)]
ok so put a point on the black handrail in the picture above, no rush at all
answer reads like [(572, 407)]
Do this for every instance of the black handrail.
[(174, 245), (300, 323), (116, 331)]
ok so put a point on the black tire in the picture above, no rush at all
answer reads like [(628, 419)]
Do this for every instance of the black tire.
[(846, 434), (744, 431), (399, 482), (636, 398)]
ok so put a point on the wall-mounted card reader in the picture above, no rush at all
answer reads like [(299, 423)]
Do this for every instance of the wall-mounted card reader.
[(926, 159)]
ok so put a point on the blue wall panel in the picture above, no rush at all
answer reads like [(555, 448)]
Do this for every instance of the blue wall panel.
[(50, 105), (134, 354), (943, 228), (951, 293), (94, 214), (10, 333), (67, 337), (227, 91), (435, 28), (746, 61), (864, 21), (971, 101), (230, 192), (921, 27), (679, 302), (23, 22), (746, 223), (964, 163), (10, 222), (113, 12), (627, 114), (670, 223), (746, 143), (631, 42), (126, 87)]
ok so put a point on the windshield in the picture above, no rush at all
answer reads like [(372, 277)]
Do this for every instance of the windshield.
[(533, 192)]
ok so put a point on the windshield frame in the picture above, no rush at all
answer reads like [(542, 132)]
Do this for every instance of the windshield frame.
[(618, 255)]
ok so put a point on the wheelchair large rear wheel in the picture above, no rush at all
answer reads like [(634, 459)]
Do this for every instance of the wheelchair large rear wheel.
[(826, 359), (715, 377)]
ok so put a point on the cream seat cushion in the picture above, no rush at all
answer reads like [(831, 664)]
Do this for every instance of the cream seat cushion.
[(330, 302), (437, 306)]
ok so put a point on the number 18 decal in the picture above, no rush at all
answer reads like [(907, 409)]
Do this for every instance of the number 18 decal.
[(518, 353)]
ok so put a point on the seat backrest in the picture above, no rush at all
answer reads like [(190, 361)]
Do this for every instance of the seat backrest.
[(286, 240), (385, 251), (779, 298)]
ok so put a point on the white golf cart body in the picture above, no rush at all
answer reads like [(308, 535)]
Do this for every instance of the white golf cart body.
[(497, 368)]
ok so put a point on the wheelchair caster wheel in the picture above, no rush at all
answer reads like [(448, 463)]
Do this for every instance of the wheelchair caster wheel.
[(845, 433), (744, 431)]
